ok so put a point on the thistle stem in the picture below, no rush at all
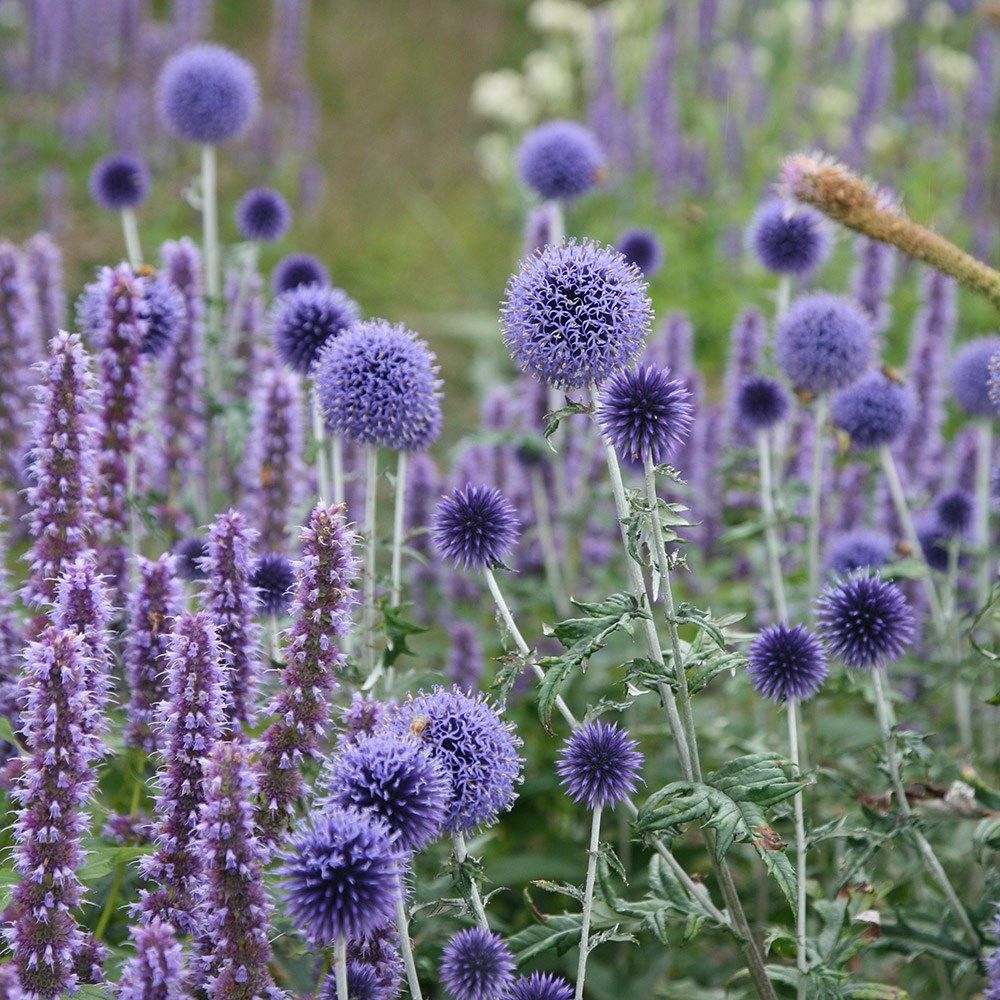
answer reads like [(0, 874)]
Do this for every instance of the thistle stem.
[(984, 465), (588, 900), (340, 968), (880, 683), (130, 230), (461, 854), (396, 587), (247, 264), (210, 248), (782, 296), (405, 948), (546, 539), (771, 541), (815, 496), (368, 606), (319, 443), (801, 960), (336, 459)]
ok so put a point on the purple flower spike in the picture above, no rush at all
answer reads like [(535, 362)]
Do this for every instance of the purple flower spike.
[(156, 971), (119, 181), (560, 160), (59, 725), (233, 902), (786, 662), (263, 215), (230, 598), (475, 527), (476, 965), (45, 268), (321, 610), (599, 765), (192, 718), (63, 467), (155, 603), (273, 458)]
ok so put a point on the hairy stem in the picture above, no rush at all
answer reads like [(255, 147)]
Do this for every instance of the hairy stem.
[(588, 900), (478, 910)]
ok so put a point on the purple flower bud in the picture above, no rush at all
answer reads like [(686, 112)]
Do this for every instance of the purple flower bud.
[(307, 318), (954, 512), (476, 965), (599, 765), (761, 402), (126, 829), (273, 581), (119, 181), (361, 718), (156, 971), (298, 269), (45, 269), (540, 986), (643, 248), (560, 160), (746, 343), (475, 527), (788, 239), (786, 662), (262, 215), (190, 554), (856, 550), (875, 411)]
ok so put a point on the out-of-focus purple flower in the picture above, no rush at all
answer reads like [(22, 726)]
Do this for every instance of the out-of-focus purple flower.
[(876, 87), (465, 656), (660, 106), (786, 662), (746, 346), (954, 512), (540, 986), (476, 964), (788, 239), (125, 829), (246, 316), (45, 270), (475, 527), (190, 555), (599, 765), (539, 227), (761, 403), (993, 381), (307, 318), (423, 487), (321, 609), (11, 654), (273, 580), (560, 160), (119, 181), (575, 313), (156, 601), (859, 549), (156, 971), (192, 719), (871, 280), (165, 314), (970, 374), (361, 718), (263, 215), (641, 247), (207, 94), (298, 269), (874, 411)]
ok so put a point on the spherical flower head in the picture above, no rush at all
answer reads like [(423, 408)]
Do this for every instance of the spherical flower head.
[(788, 238), (262, 215), (339, 877), (761, 403), (191, 554), (119, 181), (970, 376), (207, 94), (786, 662), (560, 160), (165, 312), (865, 621), (298, 269), (643, 412), (475, 527), (273, 579), (474, 744), (875, 411), (398, 782), (476, 964), (378, 385), (540, 986), (823, 342), (599, 765), (953, 512), (305, 319), (933, 543), (575, 313), (856, 550), (643, 248)]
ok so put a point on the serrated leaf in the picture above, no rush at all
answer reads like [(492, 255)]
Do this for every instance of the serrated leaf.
[(397, 631), (552, 420), (559, 933), (103, 860)]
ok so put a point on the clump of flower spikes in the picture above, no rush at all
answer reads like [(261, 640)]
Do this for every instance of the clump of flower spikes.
[(321, 612)]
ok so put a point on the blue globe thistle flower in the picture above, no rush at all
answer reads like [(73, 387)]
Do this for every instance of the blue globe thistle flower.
[(298, 269), (119, 181), (788, 239), (933, 544), (643, 411), (273, 579), (823, 342), (339, 877), (643, 248), (560, 160), (874, 411), (476, 965), (970, 376), (786, 662), (165, 312), (475, 527), (190, 555), (575, 313), (954, 512), (599, 765), (761, 403), (395, 780), (476, 747), (856, 550), (865, 621), (378, 385), (207, 94), (263, 215), (305, 319), (540, 986)]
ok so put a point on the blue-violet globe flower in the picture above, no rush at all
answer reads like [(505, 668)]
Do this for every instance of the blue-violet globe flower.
[(786, 662), (599, 765), (475, 527)]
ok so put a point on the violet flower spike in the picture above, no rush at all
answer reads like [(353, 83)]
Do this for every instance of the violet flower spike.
[(156, 971), (45, 269)]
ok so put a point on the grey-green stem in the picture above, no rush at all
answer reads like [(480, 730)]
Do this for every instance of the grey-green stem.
[(478, 910), (396, 585), (815, 493), (130, 230), (319, 437), (368, 598), (546, 539), (588, 900), (801, 959), (340, 968), (405, 948)]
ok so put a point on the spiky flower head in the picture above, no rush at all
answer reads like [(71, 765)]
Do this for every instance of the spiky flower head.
[(874, 411), (970, 376), (644, 413), (263, 215), (575, 313), (475, 527), (599, 765), (854, 550), (190, 555), (477, 748), (954, 512), (398, 782), (643, 248), (305, 319), (156, 971), (476, 964), (788, 238), (786, 662), (865, 621), (560, 160), (273, 580), (339, 877), (378, 385), (207, 94), (119, 181), (540, 986), (298, 269), (761, 403)]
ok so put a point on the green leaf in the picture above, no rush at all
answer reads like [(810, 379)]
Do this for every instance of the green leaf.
[(559, 933), (552, 420), (397, 631), (7, 733), (105, 859)]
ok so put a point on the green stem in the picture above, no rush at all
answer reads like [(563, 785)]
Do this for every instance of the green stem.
[(130, 229), (405, 948), (368, 606), (801, 959), (588, 900), (771, 541), (475, 900), (815, 494), (340, 968), (396, 588)]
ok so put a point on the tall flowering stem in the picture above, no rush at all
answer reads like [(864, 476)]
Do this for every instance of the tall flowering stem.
[(230, 599), (820, 411), (192, 720), (61, 732), (64, 465), (321, 612)]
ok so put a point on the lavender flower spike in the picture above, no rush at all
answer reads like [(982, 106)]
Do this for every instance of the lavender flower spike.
[(156, 972), (157, 600), (46, 273), (322, 614), (59, 727), (232, 602), (235, 912), (63, 467), (192, 720)]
